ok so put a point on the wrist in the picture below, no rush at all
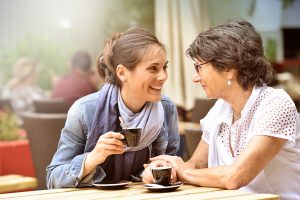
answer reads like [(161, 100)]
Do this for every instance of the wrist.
[(92, 160)]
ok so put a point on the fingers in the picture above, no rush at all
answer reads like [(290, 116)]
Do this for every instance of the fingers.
[(109, 143), (146, 165), (113, 149), (159, 163), (113, 135), (173, 175), (112, 138), (147, 175), (161, 157)]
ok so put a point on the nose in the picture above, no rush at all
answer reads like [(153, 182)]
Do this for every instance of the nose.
[(196, 78), (162, 76)]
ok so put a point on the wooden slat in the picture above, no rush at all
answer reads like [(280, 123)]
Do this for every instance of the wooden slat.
[(145, 194), (211, 195), (254, 197), (36, 193), (8, 177), (17, 183)]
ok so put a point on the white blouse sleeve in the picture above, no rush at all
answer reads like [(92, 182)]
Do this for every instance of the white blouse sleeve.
[(277, 118), (209, 122)]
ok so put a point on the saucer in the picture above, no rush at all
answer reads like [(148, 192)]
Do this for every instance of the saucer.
[(110, 186), (162, 188)]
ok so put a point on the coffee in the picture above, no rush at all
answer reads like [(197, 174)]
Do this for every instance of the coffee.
[(131, 136), (162, 175)]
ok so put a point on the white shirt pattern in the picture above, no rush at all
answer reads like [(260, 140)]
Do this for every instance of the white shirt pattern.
[(269, 112)]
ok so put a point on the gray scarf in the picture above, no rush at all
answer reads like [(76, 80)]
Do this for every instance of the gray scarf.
[(150, 119)]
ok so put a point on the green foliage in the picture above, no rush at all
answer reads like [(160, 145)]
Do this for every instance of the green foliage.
[(129, 13), (270, 49), (50, 56), (8, 126)]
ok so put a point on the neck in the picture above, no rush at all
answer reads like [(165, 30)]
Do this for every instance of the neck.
[(132, 102), (238, 99)]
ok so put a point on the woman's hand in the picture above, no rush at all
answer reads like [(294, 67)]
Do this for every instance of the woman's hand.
[(147, 174), (176, 162), (108, 144)]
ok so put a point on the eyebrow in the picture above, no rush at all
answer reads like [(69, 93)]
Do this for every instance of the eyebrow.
[(158, 63)]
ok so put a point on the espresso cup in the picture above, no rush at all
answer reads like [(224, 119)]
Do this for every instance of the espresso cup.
[(162, 175), (131, 136)]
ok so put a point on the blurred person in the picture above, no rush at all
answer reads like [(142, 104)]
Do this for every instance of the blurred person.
[(134, 67), (78, 82), (22, 89), (251, 136)]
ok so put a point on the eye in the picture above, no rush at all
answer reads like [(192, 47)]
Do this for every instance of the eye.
[(152, 68), (166, 67)]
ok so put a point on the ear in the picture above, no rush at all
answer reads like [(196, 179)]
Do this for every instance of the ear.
[(230, 74), (121, 71)]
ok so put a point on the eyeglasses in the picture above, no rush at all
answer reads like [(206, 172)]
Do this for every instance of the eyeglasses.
[(198, 67)]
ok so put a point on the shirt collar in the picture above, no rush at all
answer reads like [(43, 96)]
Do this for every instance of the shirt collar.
[(227, 112)]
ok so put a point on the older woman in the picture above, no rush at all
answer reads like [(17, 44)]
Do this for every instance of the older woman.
[(90, 150), (251, 137)]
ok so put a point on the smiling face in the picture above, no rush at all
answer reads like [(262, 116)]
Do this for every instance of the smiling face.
[(213, 82), (145, 82)]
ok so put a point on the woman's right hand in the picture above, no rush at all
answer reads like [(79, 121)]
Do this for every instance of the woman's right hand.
[(108, 144)]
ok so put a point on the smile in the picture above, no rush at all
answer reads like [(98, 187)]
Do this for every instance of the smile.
[(156, 87)]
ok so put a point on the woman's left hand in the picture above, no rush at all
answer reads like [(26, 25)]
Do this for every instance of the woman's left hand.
[(175, 161), (147, 174)]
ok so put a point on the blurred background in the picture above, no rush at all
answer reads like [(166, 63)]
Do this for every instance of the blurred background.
[(48, 52), (50, 32)]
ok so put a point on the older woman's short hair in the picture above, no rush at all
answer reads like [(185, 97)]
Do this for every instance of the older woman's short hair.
[(234, 45)]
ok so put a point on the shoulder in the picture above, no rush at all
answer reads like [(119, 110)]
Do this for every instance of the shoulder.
[(88, 102), (167, 103), (270, 96)]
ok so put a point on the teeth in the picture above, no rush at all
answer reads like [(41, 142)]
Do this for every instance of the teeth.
[(156, 87)]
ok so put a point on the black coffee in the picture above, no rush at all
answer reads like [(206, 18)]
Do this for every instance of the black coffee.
[(162, 175)]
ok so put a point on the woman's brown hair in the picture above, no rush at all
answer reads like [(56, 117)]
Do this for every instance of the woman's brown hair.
[(127, 49), (234, 45)]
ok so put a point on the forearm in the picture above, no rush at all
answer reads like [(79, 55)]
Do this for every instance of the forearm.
[(90, 163), (222, 177)]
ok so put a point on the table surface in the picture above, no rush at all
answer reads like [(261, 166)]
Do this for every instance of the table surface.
[(137, 191), (13, 183)]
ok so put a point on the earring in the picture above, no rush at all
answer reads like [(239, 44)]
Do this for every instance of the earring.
[(229, 82)]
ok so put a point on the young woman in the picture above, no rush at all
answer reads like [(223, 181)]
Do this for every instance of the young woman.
[(134, 67)]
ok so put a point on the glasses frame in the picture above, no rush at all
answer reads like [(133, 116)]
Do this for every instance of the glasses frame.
[(198, 67)]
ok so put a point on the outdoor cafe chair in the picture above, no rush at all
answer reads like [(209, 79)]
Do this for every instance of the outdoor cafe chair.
[(50, 106), (43, 131)]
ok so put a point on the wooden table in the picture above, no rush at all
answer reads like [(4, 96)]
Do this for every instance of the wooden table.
[(14, 183), (137, 191)]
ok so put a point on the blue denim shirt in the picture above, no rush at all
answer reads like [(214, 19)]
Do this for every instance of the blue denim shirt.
[(67, 163)]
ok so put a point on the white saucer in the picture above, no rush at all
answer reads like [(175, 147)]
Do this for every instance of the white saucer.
[(161, 188), (112, 185)]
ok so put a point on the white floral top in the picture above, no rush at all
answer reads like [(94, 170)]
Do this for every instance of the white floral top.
[(269, 112)]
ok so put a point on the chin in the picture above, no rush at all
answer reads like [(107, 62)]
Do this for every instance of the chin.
[(155, 98)]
